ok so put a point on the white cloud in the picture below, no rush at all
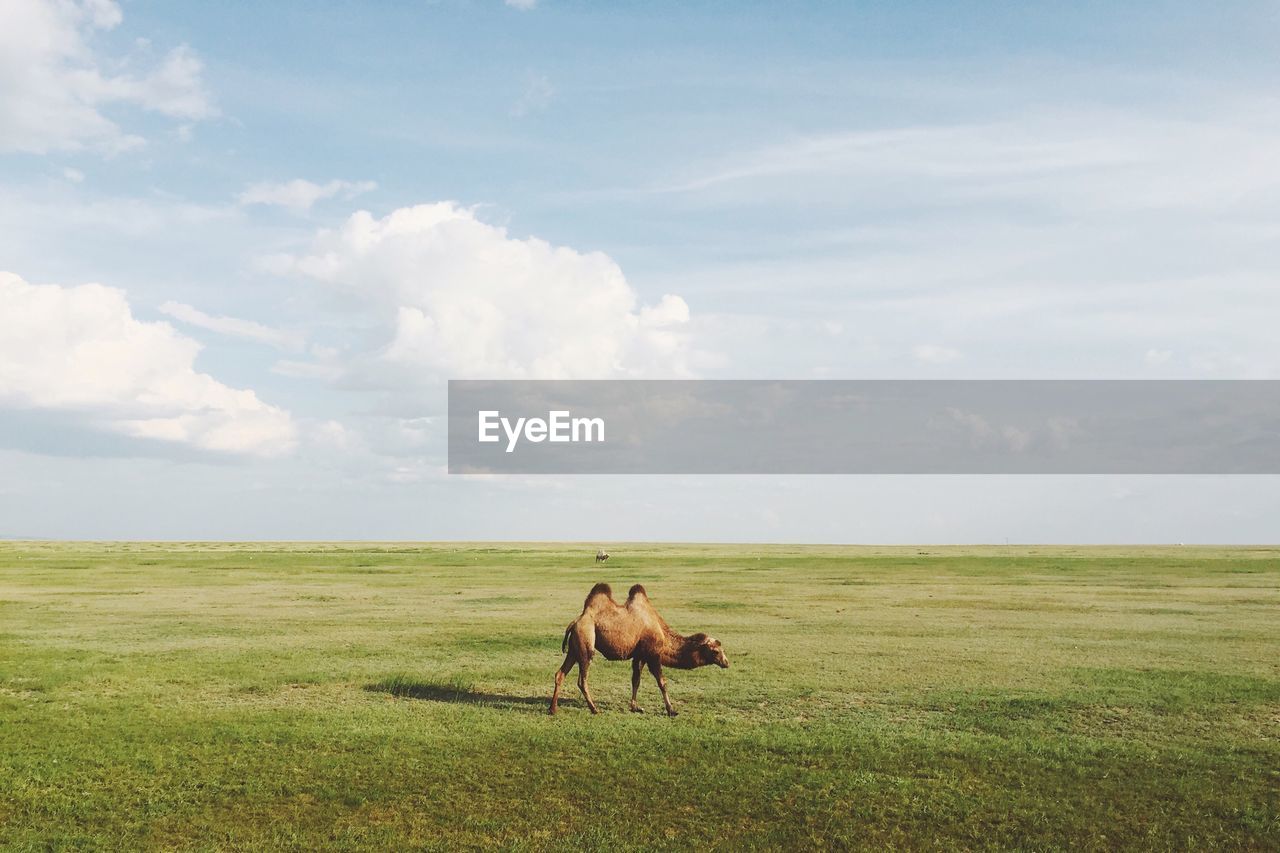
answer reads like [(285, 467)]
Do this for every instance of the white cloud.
[(983, 433), (299, 195), (307, 370), (54, 86), (537, 95), (989, 151), (79, 350), (235, 327), (457, 297), (334, 436), (522, 5), (1079, 160), (54, 220)]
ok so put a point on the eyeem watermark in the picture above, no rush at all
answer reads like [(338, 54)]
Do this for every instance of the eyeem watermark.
[(865, 427), (558, 427)]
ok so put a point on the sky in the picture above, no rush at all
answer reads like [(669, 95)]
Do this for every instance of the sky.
[(243, 246)]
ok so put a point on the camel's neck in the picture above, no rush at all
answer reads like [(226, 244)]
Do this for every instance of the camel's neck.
[(678, 651)]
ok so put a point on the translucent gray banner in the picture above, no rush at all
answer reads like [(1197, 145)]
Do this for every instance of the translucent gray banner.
[(864, 427)]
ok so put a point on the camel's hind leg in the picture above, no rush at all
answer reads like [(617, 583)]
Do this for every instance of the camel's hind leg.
[(637, 668), (569, 661)]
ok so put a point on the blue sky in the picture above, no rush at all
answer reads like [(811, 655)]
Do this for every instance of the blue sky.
[(304, 217)]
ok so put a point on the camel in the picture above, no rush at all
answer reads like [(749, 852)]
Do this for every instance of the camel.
[(634, 632), (601, 556)]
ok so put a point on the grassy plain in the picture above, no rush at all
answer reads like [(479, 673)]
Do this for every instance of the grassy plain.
[(308, 696)]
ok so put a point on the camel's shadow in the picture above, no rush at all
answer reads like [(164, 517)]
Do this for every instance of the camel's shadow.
[(460, 694)]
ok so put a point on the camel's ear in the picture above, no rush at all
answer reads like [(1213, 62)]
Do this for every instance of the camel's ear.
[(712, 642)]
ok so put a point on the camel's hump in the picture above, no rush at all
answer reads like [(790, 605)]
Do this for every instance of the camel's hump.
[(600, 589)]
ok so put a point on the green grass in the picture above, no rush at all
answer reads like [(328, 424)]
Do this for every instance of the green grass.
[(385, 696)]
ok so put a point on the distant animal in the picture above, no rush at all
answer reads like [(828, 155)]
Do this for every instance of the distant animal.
[(633, 631), (601, 556)]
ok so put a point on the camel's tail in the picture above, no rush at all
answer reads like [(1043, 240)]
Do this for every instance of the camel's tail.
[(564, 644)]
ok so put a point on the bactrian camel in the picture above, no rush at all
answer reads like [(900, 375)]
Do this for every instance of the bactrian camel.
[(633, 631)]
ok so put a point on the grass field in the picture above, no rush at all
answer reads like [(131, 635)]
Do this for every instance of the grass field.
[(388, 696)]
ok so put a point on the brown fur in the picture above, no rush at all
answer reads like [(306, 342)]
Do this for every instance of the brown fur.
[(633, 631)]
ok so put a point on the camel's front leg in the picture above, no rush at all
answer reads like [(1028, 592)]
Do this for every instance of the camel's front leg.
[(582, 684), (637, 667), (656, 669)]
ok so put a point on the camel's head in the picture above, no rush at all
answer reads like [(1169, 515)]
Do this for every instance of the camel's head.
[(709, 651)]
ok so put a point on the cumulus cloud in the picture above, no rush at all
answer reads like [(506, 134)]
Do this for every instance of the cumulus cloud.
[(299, 195), (457, 297), (80, 351), (54, 86), (234, 327)]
